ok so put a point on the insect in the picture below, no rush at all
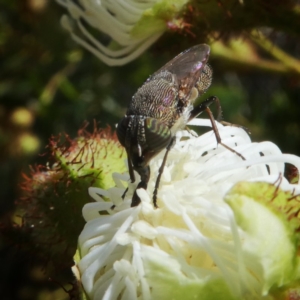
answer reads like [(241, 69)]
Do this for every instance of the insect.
[(162, 106)]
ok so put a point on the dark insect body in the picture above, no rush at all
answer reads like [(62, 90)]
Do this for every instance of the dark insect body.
[(162, 106)]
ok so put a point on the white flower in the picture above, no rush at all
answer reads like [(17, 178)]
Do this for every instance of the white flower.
[(133, 25), (192, 246)]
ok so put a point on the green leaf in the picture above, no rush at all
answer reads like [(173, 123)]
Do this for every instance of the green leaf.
[(266, 215)]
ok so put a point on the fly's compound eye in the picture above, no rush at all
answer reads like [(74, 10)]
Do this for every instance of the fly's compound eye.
[(158, 135)]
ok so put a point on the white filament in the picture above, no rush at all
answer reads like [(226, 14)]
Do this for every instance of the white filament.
[(193, 230), (116, 19)]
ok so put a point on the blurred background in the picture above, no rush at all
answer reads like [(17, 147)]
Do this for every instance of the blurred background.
[(50, 85)]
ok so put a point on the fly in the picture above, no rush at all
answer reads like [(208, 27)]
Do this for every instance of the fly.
[(162, 106)]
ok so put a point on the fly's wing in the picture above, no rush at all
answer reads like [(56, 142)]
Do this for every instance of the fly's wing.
[(186, 67), (187, 62)]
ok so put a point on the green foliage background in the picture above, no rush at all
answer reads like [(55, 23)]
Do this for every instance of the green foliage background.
[(49, 85)]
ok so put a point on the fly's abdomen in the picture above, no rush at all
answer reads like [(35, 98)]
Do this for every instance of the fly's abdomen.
[(157, 99)]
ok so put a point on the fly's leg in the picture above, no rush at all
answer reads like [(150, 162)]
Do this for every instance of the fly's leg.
[(204, 106), (160, 171), (220, 116)]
